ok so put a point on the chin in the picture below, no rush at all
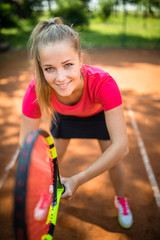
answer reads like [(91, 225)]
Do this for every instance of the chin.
[(65, 93)]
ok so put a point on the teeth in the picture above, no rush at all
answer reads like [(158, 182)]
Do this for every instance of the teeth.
[(63, 85)]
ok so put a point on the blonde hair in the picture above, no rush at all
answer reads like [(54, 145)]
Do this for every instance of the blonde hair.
[(49, 31)]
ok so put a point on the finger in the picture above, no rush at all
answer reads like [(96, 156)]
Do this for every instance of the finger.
[(69, 198), (64, 188), (63, 180), (64, 194), (66, 198), (67, 194)]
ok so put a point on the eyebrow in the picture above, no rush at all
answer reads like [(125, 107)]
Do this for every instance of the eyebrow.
[(47, 65)]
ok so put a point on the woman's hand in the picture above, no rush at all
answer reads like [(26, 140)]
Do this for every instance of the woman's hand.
[(71, 185)]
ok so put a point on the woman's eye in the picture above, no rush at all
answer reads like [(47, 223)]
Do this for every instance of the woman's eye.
[(49, 69), (68, 65)]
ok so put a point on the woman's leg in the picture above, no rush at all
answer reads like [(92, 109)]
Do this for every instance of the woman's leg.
[(61, 146), (117, 177), (116, 173)]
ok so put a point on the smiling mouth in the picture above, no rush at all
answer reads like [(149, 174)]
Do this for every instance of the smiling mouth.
[(64, 85)]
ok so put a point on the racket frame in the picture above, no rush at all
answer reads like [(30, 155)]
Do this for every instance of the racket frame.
[(19, 215)]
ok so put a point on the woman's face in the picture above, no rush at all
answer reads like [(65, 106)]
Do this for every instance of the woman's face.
[(61, 67)]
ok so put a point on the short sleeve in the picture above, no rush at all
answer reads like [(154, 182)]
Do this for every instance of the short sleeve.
[(30, 106), (108, 93)]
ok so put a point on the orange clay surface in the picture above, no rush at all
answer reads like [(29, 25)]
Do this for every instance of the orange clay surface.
[(91, 214)]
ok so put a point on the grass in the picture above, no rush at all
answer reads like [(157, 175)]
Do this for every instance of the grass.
[(138, 33)]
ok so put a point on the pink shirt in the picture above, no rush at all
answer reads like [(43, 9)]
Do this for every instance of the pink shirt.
[(100, 93)]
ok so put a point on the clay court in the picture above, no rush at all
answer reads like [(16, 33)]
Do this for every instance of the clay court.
[(91, 214)]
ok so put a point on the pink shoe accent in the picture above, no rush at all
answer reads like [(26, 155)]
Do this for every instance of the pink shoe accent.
[(124, 205), (125, 217)]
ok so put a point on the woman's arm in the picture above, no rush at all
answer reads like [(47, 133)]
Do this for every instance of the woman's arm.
[(116, 151), (27, 124)]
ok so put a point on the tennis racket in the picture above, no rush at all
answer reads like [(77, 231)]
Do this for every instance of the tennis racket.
[(37, 188)]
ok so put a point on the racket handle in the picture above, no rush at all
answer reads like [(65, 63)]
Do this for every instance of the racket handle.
[(64, 188)]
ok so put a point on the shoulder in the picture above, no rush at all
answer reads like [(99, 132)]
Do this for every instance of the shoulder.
[(30, 106), (97, 78), (102, 87), (93, 71), (31, 89), (31, 86)]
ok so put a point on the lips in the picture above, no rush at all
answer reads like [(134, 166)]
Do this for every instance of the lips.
[(64, 85)]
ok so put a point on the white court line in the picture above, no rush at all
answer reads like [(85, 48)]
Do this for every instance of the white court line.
[(8, 168), (145, 158)]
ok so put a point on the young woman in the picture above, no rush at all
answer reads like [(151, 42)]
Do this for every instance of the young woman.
[(84, 102)]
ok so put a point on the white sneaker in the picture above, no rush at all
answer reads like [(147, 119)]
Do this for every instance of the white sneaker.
[(42, 207), (124, 213)]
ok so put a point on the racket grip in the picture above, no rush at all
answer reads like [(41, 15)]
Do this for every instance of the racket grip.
[(64, 188)]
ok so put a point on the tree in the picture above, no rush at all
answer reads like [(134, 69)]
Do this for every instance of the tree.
[(149, 5), (106, 7), (85, 3), (116, 3), (7, 16), (72, 11), (25, 8), (7, 20), (13, 10)]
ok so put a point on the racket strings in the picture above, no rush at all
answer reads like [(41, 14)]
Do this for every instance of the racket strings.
[(38, 194)]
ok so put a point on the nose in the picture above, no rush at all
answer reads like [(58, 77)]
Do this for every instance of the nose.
[(60, 75)]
